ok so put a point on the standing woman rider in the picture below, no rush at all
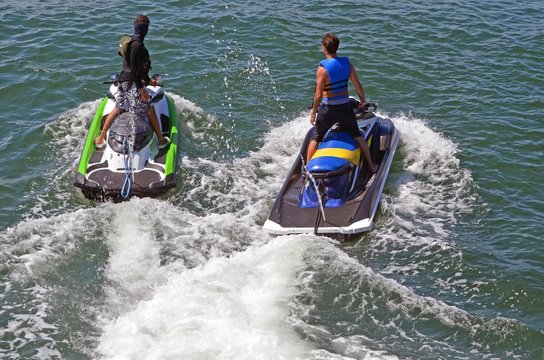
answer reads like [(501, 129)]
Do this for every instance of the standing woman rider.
[(132, 95), (331, 99)]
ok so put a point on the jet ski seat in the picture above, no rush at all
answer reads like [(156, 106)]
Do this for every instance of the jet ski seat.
[(129, 125), (337, 150)]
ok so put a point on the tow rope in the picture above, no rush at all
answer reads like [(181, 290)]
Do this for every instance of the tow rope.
[(318, 190), (127, 153)]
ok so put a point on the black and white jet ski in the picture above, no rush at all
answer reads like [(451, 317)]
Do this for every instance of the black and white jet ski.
[(131, 164), (333, 193)]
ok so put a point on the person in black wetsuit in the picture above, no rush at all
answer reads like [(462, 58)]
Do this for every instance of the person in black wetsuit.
[(132, 95), (331, 99)]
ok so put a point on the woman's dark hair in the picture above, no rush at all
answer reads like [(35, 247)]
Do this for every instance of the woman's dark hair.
[(330, 42), (141, 19)]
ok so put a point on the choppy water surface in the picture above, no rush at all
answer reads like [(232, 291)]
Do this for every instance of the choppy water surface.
[(453, 270)]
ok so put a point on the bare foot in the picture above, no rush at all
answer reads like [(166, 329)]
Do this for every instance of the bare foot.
[(99, 142), (164, 143)]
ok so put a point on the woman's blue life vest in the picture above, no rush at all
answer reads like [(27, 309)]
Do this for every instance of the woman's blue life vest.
[(338, 69)]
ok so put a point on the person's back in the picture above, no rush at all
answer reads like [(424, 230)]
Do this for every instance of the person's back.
[(136, 60), (136, 63), (336, 90)]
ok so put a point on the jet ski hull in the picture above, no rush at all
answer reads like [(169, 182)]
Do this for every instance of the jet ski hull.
[(101, 178), (357, 212)]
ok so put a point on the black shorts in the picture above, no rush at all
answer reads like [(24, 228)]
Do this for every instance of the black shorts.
[(328, 115)]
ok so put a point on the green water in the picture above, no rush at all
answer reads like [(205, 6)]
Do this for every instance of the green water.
[(453, 270)]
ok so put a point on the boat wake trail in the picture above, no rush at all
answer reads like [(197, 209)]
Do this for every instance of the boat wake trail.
[(219, 279), (427, 198), (432, 185), (229, 307)]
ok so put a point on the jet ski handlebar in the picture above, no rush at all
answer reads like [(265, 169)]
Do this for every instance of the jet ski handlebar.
[(114, 79), (369, 107)]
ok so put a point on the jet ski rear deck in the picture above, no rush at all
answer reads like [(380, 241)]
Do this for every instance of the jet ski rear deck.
[(101, 183)]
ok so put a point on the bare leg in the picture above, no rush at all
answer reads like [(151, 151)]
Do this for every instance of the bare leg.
[(366, 153), (155, 124), (312, 148), (107, 125)]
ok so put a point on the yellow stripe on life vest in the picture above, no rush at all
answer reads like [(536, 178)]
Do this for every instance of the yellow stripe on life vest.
[(352, 156)]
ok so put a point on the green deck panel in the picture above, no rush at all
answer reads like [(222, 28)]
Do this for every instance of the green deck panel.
[(94, 131), (171, 155)]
